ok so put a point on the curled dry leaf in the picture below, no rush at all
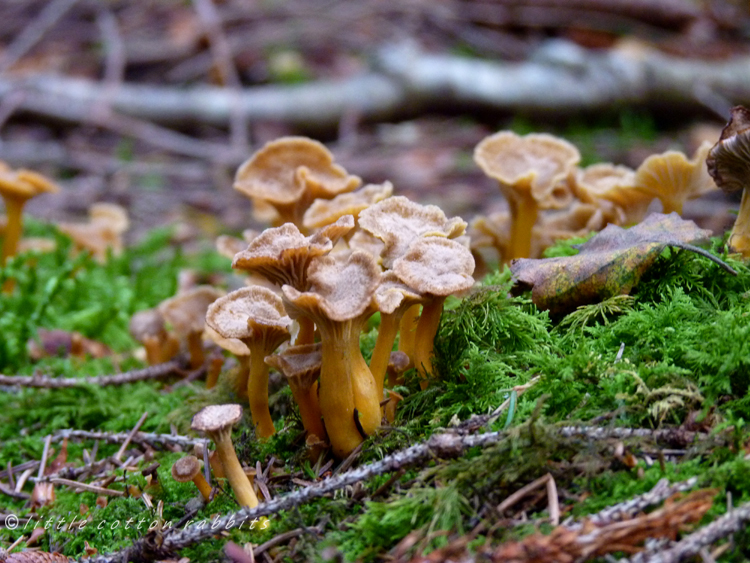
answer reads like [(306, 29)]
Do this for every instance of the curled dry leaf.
[(609, 264)]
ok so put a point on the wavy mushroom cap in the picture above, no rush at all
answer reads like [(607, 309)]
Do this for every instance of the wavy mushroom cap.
[(323, 212), (111, 216), (228, 246), (186, 312), (398, 221), (673, 178), (538, 163), (246, 311), (392, 293), (728, 161), (24, 184), (282, 171), (604, 181), (437, 266), (339, 291), (148, 322), (185, 469), (231, 345), (299, 364)]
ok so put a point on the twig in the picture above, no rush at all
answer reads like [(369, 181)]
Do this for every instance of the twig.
[(130, 436), (45, 453), (671, 436), (87, 487), (43, 382), (115, 58), (141, 437), (522, 492), (281, 538), (32, 33)]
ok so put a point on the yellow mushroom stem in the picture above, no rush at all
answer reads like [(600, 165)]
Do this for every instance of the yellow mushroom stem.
[(243, 374), (348, 395), (152, 345), (306, 334), (739, 238), (195, 348), (390, 407), (239, 482), (407, 334), (13, 229), (309, 408), (203, 486), (524, 211), (257, 388), (214, 370), (424, 345), (383, 346)]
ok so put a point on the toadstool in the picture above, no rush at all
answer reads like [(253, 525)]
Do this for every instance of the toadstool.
[(187, 469), (255, 316), (216, 422), (532, 172)]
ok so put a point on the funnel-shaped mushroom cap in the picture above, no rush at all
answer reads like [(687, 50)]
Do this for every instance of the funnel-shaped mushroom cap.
[(537, 163), (186, 468), (336, 230), (186, 312), (364, 241), (216, 418), (110, 215), (248, 310), (397, 221), (604, 181), (228, 246), (492, 230), (148, 322), (299, 364), (674, 179), (728, 161), (108, 222), (325, 211), (231, 345), (23, 184), (339, 291), (437, 266), (291, 172), (392, 293), (283, 254)]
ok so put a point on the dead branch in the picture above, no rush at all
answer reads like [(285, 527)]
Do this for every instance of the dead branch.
[(158, 371), (676, 437), (410, 79), (140, 437)]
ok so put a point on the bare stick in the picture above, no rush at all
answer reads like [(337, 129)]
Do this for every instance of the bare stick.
[(152, 372), (87, 487), (130, 436), (522, 492), (45, 453), (141, 437)]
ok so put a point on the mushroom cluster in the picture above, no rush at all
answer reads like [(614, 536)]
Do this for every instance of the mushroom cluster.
[(539, 172), (335, 257)]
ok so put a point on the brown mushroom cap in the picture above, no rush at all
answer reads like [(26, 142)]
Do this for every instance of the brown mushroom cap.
[(247, 310), (539, 162), (728, 161), (339, 291), (323, 212), (24, 184), (228, 246), (110, 215), (185, 469), (397, 221), (392, 293), (291, 172), (672, 178), (216, 418), (299, 363), (437, 266), (231, 345), (107, 223), (148, 322), (604, 181), (186, 312)]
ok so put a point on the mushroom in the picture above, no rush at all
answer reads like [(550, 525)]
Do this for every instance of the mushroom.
[(390, 407), (290, 173), (728, 163), (239, 351), (147, 327), (339, 303), (397, 221), (186, 313), (674, 179), (255, 316), (187, 469), (393, 299), (323, 212), (398, 363), (532, 172), (300, 365), (107, 223), (216, 422), (435, 267), (612, 189), (16, 188)]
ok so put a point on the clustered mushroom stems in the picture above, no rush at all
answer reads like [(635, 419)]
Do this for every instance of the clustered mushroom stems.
[(426, 330), (257, 382)]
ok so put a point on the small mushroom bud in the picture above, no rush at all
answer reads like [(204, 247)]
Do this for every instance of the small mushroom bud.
[(189, 469)]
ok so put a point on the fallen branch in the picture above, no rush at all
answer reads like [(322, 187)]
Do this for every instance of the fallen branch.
[(140, 437), (409, 79), (158, 371)]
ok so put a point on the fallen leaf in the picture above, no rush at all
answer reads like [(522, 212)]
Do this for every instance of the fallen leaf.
[(609, 264)]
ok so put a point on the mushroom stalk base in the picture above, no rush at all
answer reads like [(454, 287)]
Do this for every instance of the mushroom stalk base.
[(383, 345), (426, 331), (407, 330), (523, 212), (739, 239), (239, 482)]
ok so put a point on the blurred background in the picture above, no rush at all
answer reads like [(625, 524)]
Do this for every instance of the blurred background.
[(153, 104)]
